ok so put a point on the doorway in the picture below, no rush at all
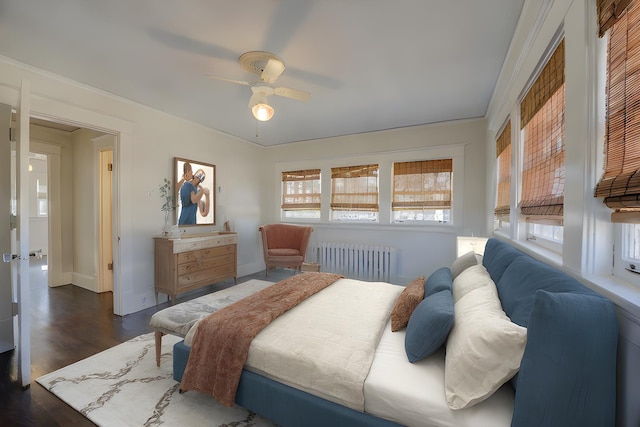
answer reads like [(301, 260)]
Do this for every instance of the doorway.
[(38, 204), (81, 201)]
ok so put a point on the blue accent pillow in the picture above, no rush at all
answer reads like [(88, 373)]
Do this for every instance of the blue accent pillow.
[(573, 337), (440, 280), (429, 326)]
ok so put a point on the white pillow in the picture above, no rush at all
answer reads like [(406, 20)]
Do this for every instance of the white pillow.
[(472, 278), (484, 348)]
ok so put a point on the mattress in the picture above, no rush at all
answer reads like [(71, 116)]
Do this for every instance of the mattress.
[(412, 394), (326, 344)]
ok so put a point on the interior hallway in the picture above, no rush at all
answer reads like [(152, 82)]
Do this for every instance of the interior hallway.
[(68, 324)]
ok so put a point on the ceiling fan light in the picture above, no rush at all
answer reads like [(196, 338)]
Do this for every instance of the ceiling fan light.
[(262, 111)]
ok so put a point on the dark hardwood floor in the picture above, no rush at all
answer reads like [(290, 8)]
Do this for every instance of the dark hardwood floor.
[(68, 324)]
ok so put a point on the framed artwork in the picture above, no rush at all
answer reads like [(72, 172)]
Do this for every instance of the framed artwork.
[(196, 192)]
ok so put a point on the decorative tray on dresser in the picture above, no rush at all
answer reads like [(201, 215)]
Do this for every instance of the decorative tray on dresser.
[(194, 261)]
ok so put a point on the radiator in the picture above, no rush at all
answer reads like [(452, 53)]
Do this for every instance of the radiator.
[(363, 262)]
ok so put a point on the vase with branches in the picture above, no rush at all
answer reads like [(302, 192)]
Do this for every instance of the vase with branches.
[(169, 198)]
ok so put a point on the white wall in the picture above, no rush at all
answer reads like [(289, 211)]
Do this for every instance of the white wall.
[(422, 249), (249, 195), (147, 142), (56, 144), (84, 213), (38, 224)]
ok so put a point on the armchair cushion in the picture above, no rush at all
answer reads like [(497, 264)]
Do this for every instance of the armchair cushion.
[(284, 252)]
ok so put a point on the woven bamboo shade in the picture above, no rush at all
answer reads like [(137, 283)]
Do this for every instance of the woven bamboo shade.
[(301, 190), (609, 11), (543, 170), (503, 153), (548, 82), (424, 184), (355, 188), (620, 183)]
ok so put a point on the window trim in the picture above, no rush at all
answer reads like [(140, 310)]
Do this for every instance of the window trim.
[(420, 200), (355, 202), (292, 211)]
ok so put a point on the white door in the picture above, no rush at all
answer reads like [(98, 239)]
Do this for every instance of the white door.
[(21, 249), (7, 341), (105, 161)]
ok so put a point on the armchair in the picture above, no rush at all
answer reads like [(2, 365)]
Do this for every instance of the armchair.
[(284, 245)]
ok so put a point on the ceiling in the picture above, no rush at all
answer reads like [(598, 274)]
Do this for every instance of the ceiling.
[(369, 64)]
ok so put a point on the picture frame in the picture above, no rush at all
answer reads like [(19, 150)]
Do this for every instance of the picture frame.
[(203, 212)]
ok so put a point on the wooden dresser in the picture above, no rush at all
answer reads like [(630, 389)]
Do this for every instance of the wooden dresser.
[(188, 263)]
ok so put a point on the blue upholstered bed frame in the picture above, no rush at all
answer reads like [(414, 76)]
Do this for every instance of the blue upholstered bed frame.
[(284, 405), (567, 376)]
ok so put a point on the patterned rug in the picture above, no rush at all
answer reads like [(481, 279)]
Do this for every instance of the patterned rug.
[(122, 386)]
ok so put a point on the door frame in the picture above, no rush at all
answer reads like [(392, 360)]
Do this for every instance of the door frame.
[(122, 130)]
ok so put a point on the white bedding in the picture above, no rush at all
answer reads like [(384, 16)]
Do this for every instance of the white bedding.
[(412, 394), (377, 377), (326, 344)]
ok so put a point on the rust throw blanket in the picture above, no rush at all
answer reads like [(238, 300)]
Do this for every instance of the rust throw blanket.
[(221, 344)]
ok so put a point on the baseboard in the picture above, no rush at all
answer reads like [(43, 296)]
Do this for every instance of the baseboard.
[(85, 281)]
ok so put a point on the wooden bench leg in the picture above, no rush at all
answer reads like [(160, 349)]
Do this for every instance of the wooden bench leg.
[(158, 335)]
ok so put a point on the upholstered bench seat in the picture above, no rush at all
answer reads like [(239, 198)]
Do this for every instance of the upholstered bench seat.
[(180, 318)]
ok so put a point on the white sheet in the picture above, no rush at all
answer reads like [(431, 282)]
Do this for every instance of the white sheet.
[(412, 394), (326, 344)]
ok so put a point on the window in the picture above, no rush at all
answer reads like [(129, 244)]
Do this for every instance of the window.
[(631, 246), (422, 191), (620, 183), (301, 194), (626, 257), (354, 193), (543, 169), (503, 198)]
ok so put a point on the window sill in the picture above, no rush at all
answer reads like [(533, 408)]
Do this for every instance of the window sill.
[(624, 294), (431, 228)]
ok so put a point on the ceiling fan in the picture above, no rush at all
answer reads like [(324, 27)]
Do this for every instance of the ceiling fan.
[(269, 67)]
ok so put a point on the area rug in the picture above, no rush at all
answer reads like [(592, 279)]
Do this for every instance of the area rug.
[(122, 386)]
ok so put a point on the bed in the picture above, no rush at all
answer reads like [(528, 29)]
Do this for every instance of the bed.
[(377, 386), (507, 341)]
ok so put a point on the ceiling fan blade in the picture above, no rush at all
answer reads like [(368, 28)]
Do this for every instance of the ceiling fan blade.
[(239, 82), (288, 92), (272, 70)]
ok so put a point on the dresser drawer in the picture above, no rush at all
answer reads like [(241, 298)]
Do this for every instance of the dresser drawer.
[(193, 244), (204, 263), (205, 254), (206, 276)]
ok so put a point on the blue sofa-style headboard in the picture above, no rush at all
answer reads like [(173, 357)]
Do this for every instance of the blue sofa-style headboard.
[(568, 372)]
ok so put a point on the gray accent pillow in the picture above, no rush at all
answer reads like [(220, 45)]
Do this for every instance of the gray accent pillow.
[(462, 263)]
